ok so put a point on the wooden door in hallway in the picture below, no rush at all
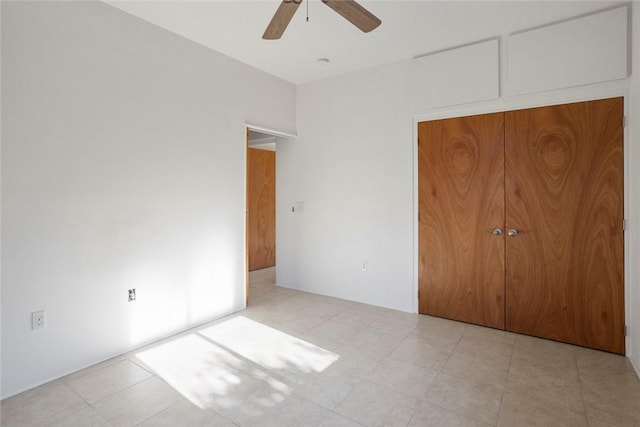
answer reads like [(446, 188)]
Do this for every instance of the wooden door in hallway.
[(261, 203), (461, 205), (564, 193)]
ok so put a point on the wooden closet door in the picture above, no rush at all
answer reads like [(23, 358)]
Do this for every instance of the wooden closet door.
[(461, 202), (564, 192), (261, 202)]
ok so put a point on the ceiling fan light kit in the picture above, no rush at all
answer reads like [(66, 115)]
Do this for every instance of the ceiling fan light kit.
[(348, 9)]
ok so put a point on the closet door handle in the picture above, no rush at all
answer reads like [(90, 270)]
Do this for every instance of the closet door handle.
[(497, 232), (513, 232)]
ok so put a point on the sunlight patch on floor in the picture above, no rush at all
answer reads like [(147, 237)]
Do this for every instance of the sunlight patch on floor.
[(268, 347), (235, 357)]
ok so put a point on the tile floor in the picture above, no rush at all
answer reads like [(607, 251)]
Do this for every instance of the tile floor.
[(298, 359)]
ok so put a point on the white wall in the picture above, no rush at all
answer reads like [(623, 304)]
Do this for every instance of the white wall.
[(570, 53), (469, 74), (123, 166), (351, 166), (353, 163)]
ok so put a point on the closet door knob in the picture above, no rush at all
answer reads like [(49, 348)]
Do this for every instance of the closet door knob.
[(497, 232), (513, 232)]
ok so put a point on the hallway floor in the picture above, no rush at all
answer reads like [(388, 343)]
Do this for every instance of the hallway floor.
[(299, 359)]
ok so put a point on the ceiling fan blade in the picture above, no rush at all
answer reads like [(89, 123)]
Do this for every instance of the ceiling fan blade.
[(281, 19), (354, 13)]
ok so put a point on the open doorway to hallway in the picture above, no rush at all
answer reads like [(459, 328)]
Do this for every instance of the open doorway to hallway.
[(261, 201)]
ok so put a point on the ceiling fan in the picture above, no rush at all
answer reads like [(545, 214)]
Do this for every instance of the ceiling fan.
[(348, 9)]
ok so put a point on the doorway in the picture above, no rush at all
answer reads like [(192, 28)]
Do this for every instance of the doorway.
[(261, 200), (260, 223)]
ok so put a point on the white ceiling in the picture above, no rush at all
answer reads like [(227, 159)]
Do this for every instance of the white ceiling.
[(409, 29)]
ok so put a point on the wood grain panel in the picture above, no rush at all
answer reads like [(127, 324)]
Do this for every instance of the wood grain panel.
[(461, 200), (261, 202), (564, 192)]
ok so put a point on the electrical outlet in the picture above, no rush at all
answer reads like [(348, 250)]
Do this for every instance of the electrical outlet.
[(132, 295), (363, 266), (37, 320)]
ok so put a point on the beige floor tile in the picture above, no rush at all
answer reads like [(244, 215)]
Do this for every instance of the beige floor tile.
[(610, 382), (418, 352), (109, 380), (478, 367), (428, 415), (249, 397), (486, 342), (597, 366), (93, 368), (355, 362), (291, 411), (288, 306), (258, 311), (437, 332), (403, 377), (544, 363), (298, 324), (518, 411), (334, 420), (335, 332), (41, 406), (317, 298), (86, 417), (327, 389), (535, 375), (283, 290), (331, 300), (614, 400), (587, 357), (491, 336), (137, 403), (267, 275), (395, 322), (320, 341), (262, 297), (375, 342), (374, 405), (269, 312), (545, 352), (535, 403), (359, 315), (318, 308), (598, 423), (186, 414), (292, 324), (474, 400)]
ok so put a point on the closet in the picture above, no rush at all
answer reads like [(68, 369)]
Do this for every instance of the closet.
[(521, 221)]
